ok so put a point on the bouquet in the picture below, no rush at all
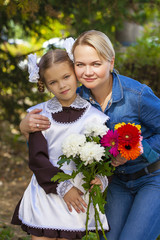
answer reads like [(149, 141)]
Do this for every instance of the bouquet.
[(126, 139), (91, 159), (92, 153)]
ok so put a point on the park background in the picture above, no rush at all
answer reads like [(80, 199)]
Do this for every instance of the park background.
[(36, 26)]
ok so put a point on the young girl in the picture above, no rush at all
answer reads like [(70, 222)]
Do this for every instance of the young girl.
[(46, 209)]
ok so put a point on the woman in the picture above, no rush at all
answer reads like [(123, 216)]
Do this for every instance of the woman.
[(133, 204)]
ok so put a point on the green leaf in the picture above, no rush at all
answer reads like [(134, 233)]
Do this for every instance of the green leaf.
[(74, 173), (86, 186), (96, 139), (63, 159), (60, 177), (107, 153), (97, 198), (92, 236)]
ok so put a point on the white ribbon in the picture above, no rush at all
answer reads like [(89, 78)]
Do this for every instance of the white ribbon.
[(33, 69), (68, 43)]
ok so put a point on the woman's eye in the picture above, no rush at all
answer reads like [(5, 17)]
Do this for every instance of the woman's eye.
[(67, 76), (79, 64), (96, 64)]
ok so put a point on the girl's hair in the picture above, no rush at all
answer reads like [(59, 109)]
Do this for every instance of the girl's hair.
[(47, 60), (99, 41)]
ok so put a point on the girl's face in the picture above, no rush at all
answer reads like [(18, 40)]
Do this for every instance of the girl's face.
[(91, 70), (60, 79)]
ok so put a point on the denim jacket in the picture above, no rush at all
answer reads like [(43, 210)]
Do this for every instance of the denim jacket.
[(135, 103)]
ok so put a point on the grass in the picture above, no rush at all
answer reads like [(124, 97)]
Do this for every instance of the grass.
[(7, 233)]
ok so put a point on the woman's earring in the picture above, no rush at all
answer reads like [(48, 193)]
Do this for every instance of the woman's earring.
[(111, 71)]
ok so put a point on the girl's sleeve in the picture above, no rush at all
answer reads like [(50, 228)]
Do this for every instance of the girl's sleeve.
[(39, 162)]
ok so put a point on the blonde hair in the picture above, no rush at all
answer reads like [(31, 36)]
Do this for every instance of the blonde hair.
[(47, 60), (99, 41)]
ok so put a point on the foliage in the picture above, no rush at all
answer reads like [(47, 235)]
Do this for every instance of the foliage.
[(37, 21), (6, 233), (141, 61)]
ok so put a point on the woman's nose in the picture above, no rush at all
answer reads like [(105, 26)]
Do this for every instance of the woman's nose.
[(88, 70)]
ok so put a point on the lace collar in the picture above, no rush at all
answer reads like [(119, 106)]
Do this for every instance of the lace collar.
[(54, 106)]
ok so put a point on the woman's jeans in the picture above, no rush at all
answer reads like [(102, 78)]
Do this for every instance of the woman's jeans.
[(133, 208)]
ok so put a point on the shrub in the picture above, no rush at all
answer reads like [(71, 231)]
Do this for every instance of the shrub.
[(141, 62)]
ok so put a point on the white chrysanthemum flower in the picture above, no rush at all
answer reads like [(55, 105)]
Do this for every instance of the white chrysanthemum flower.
[(72, 144), (95, 129), (91, 151)]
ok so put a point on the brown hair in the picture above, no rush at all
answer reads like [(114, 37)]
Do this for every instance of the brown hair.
[(99, 41), (47, 60)]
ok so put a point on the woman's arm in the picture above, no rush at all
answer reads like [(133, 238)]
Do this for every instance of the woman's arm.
[(29, 123), (150, 118)]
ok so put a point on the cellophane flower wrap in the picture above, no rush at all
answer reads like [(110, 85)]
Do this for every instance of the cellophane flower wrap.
[(91, 159)]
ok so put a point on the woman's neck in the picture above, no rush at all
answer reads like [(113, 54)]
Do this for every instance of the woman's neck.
[(103, 94)]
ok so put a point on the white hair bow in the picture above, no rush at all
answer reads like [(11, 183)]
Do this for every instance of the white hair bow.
[(33, 69), (68, 43)]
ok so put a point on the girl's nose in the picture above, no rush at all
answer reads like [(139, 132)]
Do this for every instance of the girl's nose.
[(61, 84)]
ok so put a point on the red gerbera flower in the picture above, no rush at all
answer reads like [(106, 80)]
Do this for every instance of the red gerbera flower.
[(128, 135), (111, 140)]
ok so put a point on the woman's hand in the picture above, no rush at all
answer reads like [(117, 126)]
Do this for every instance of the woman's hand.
[(34, 122), (118, 161), (73, 199), (97, 181)]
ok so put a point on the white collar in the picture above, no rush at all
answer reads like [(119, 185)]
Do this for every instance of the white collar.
[(54, 106)]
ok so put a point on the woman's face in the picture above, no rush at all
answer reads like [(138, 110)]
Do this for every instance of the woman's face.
[(91, 70)]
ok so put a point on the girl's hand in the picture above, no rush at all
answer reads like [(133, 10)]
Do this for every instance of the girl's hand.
[(97, 181), (73, 199), (34, 122), (119, 161)]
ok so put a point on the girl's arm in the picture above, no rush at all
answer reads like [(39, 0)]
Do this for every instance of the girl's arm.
[(73, 199), (39, 162), (44, 170)]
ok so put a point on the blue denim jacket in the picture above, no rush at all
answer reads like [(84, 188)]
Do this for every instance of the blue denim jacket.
[(135, 103)]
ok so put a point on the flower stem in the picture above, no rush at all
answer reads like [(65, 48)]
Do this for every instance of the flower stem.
[(95, 216), (87, 219), (96, 212)]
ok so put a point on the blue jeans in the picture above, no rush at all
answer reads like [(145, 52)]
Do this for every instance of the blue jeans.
[(133, 208)]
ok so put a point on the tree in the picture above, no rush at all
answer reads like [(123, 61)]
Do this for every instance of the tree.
[(36, 21)]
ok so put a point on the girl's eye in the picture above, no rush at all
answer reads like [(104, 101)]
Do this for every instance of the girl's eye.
[(51, 83)]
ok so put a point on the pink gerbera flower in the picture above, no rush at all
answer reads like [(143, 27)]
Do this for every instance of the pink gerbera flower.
[(111, 140)]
